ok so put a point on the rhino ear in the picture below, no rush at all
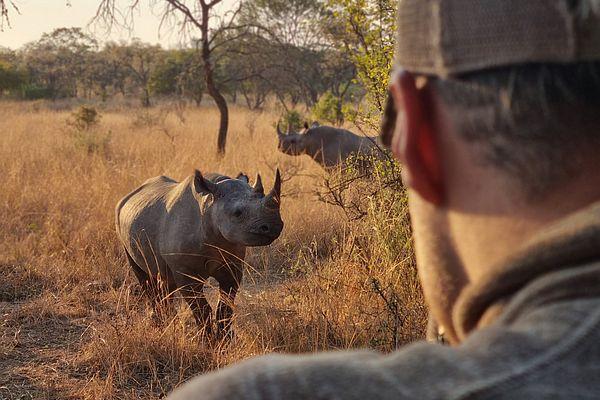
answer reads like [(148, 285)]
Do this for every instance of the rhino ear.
[(243, 177), (203, 186), (258, 186), (315, 124)]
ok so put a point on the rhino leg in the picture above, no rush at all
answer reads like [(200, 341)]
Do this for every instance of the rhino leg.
[(192, 290), (157, 289), (142, 276), (228, 286)]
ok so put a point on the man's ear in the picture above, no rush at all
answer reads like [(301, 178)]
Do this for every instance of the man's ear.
[(415, 141), (203, 186)]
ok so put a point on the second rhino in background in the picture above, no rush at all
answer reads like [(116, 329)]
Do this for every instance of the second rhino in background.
[(330, 147)]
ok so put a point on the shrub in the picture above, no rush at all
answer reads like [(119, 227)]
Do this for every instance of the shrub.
[(83, 124), (34, 92), (370, 192), (291, 120), (84, 118), (329, 109)]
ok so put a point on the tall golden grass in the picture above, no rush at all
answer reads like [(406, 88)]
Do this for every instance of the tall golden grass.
[(73, 324)]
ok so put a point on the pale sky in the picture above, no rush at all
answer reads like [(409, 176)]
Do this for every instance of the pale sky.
[(41, 16)]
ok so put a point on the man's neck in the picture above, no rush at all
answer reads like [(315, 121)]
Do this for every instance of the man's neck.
[(485, 241)]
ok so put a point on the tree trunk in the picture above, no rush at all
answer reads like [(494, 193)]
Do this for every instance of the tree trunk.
[(224, 123), (221, 103), (198, 98), (146, 97), (211, 87)]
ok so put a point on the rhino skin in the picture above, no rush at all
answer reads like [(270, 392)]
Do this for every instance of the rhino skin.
[(330, 147), (178, 234)]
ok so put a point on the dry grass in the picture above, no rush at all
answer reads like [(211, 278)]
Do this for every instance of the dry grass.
[(72, 324)]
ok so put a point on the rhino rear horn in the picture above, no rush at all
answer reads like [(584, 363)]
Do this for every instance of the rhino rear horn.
[(275, 193), (258, 186), (203, 186)]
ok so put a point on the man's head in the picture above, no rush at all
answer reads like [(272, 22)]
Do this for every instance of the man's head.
[(490, 154)]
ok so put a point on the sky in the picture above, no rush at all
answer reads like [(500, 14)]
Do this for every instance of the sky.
[(40, 16)]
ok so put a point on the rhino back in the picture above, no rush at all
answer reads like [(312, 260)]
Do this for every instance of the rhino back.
[(338, 144), (140, 217)]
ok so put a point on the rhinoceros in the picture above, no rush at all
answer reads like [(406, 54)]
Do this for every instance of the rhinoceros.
[(178, 234), (330, 147)]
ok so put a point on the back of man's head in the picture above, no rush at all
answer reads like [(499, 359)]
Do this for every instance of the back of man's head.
[(538, 123), (498, 129), (521, 79)]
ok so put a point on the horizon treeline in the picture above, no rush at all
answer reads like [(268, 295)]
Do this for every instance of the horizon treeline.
[(299, 52)]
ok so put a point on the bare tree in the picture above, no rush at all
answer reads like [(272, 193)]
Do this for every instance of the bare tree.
[(4, 4), (190, 16)]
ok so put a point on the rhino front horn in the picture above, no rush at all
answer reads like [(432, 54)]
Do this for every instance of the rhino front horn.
[(258, 186), (279, 132), (275, 193)]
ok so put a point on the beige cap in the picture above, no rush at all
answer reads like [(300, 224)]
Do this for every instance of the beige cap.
[(449, 37)]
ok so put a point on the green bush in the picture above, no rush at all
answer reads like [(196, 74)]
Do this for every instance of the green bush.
[(291, 121), (34, 92), (11, 79), (328, 109)]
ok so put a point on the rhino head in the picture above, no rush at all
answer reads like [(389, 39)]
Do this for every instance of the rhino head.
[(240, 213), (294, 143)]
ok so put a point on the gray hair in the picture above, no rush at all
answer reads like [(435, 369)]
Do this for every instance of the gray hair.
[(536, 122)]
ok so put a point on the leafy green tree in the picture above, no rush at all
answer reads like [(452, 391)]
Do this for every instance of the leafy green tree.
[(180, 73), (139, 60), (287, 48), (56, 62), (11, 79), (328, 109), (365, 29)]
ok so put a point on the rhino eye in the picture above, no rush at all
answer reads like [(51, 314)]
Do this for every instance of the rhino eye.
[(237, 213)]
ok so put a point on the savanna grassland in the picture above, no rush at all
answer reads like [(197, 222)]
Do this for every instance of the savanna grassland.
[(73, 324)]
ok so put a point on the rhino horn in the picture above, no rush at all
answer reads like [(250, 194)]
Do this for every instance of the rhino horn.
[(203, 186), (289, 128), (279, 132), (258, 186), (305, 125), (275, 193)]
